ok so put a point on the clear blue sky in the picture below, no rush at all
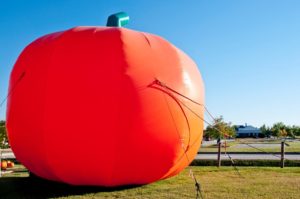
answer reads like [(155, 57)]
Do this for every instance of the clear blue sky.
[(247, 51)]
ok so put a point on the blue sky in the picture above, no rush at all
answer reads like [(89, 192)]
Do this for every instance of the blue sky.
[(247, 51)]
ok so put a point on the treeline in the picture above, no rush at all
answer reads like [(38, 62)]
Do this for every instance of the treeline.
[(280, 130), (221, 129), (3, 135)]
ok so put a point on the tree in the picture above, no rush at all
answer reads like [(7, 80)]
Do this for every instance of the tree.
[(290, 131), (265, 131), (278, 129), (3, 135), (219, 129), (296, 130)]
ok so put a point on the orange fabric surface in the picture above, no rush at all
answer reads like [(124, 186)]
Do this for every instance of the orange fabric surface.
[(88, 111)]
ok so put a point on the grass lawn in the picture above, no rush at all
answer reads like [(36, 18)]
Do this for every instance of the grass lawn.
[(256, 182), (274, 146)]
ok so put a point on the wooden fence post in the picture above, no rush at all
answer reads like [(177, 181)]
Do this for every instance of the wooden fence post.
[(219, 153), (0, 162), (282, 154)]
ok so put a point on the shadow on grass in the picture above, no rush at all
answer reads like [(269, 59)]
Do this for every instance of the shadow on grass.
[(33, 187)]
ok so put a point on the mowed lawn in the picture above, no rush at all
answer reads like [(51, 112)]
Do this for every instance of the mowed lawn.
[(268, 145), (254, 182)]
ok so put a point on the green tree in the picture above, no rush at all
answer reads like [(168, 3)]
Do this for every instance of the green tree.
[(266, 131), (290, 131), (3, 135), (277, 129), (219, 129), (296, 130)]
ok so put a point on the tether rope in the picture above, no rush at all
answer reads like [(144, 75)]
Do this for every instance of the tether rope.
[(158, 82), (197, 184), (13, 88)]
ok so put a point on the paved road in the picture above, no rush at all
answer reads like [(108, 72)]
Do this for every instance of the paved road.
[(9, 154), (248, 157)]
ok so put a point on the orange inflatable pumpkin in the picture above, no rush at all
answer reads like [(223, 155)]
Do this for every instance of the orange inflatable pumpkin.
[(119, 97), (3, 165)]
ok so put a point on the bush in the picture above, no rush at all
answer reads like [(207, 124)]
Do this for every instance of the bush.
[(3, 136), (262, 163)]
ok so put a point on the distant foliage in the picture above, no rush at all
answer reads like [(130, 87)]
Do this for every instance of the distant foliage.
[(219, 129), (3, 135), (279, 129)]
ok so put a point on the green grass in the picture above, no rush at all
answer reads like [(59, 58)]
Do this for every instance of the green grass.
[(231, 146), (256, 182), (247, 163)]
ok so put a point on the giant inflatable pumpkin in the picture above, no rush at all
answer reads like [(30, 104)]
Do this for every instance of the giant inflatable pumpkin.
[(104, 106)]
